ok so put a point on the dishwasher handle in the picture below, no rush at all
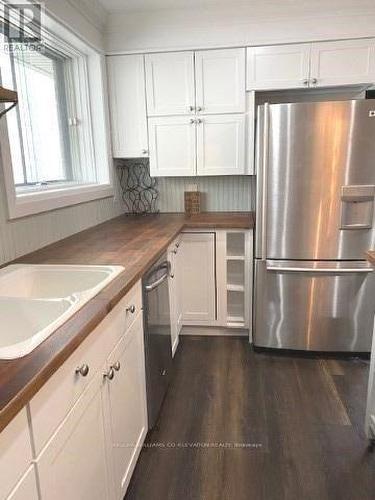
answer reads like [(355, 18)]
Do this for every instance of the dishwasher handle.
[(161, 279)]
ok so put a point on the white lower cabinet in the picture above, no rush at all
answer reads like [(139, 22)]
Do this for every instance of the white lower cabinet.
[(26, 489), (93, 451), (175, 283), (74, 463), (16, 459), (125, 405), (215, 268), (198, 278)]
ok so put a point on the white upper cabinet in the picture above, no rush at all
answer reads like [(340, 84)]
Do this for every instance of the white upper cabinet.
[(342, 63), (278, 66), (220, 81), (170, 83), (126, 79), (221, 145), (172, 146)]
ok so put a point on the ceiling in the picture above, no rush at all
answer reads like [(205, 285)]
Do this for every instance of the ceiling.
[(258, 5)]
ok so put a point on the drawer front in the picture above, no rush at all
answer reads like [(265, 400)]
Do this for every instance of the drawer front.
[(15, 452), (51, 404)]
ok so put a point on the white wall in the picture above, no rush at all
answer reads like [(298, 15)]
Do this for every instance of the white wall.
[(239, 25), (21, 236)]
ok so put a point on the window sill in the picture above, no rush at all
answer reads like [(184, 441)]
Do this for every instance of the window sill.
[(24, 204)]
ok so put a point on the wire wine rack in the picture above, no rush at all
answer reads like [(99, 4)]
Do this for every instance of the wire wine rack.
[(139, 189)]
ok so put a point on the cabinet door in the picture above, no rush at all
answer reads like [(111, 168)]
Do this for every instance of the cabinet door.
[(198, 278), (15, 452), (127, 94), (74, 464), (221, 145), (172, 146), (26, 489), (125, 408), (343, 63), (220, 81), (170, 83), (278, 66)]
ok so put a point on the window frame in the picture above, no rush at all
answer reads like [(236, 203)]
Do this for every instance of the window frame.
[(91, 101)]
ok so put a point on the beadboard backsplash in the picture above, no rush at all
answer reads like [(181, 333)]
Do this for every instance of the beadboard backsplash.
[(221, 194)]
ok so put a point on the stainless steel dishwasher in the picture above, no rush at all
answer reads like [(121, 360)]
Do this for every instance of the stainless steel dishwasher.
[(157, 331)]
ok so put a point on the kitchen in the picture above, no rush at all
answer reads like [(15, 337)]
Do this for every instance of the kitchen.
[(186, 290)]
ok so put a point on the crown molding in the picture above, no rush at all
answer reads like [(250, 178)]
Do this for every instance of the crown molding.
[(92, 11)]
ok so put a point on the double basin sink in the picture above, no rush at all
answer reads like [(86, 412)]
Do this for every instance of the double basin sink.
[(36, 299)]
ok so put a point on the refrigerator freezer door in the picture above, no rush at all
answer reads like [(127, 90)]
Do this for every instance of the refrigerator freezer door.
[(316, 306), (320, 180)]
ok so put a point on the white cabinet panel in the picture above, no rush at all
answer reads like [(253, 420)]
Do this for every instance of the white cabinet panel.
[(278, 66), (170, 83), (220, 81), (26, 489), (343, 63), (221, 145), (126, 407), (198, 278), (127, 95), (74, 464), (175, 284), (172, 146), (15, 452)]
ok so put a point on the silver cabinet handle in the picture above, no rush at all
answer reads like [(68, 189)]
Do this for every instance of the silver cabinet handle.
[(83, 370), (174, 251), (177, 245), (171, 275), (130, 309), (110, 374), (192, 120), (314, 81), (199, 120), (199, 108), (305, 82), (116, 366), (144, 151), (191, 108)]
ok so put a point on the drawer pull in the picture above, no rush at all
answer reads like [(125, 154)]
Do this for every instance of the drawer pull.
[(116, 366), (131, 309), (82, 370), (110, 374)]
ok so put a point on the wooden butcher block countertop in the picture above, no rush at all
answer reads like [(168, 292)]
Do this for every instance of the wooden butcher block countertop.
[(134, 242), (371, 256)]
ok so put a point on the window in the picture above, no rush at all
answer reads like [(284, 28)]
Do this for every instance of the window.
[(51, 132)]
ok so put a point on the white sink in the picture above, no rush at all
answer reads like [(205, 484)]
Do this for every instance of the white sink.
[(26, 323), (36, 299)]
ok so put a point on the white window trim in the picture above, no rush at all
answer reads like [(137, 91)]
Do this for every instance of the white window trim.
[(21, 204)]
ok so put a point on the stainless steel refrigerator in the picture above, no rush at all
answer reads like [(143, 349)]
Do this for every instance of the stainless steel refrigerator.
[(314, 289)]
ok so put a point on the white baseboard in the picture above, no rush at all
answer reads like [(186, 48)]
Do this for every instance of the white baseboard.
[(214, 331)]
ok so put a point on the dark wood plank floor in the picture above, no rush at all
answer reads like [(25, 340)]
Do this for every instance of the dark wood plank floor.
[(239, 425)]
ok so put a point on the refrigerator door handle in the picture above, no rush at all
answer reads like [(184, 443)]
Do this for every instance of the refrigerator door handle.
[(321, 270), (264, 178)]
